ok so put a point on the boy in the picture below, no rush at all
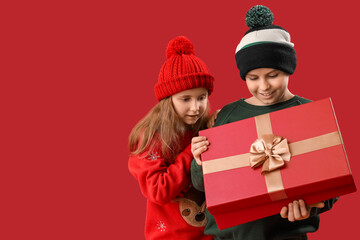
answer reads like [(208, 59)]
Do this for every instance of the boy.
[(265, 57)]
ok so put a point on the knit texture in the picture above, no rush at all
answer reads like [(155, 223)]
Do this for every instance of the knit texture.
[(182, 70), (171, 212), (264, 45)]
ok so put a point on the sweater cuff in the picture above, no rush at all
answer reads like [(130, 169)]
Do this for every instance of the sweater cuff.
[(328, 205), (188, 150), (197, 176)]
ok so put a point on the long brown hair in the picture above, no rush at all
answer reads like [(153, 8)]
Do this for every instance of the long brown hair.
[(162, 123)]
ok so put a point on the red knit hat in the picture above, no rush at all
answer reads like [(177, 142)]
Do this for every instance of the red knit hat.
[(182, 70)]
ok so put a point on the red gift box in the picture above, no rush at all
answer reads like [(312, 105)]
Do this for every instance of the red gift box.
[(296, 153)]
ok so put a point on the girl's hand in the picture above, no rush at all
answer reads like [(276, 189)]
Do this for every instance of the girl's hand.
[(198, 146), (297, 210), (212, 119)]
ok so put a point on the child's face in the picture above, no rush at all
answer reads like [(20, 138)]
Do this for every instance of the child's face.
[(190, 104), (268, 86)]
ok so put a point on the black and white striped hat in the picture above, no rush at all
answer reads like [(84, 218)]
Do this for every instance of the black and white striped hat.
[(265, 45)]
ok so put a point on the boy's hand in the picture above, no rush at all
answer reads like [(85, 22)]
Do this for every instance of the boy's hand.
[(198, 146), (212, 119), (297, 210)]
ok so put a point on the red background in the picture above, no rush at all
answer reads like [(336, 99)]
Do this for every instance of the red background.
[(77, 75)]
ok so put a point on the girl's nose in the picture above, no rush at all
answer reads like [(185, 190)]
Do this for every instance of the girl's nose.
[(194, 106)]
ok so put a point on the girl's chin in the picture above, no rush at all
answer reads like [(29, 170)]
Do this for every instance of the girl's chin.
[(190, 122)]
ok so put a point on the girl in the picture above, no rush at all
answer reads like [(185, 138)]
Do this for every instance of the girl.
[(160, 150)]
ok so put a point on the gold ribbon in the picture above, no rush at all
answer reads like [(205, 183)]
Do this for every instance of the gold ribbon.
[(269, 151), (273, 179)]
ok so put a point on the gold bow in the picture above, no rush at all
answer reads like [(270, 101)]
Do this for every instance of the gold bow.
[(270, 151)]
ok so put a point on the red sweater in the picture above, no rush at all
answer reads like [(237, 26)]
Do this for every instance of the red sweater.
[(174, 209)]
